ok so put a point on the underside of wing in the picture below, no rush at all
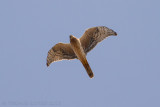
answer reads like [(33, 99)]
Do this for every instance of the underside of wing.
[(59, 52), (92, 37), (88, 40)]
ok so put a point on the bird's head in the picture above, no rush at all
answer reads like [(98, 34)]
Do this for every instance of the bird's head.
[(107, 31), (73, 38)]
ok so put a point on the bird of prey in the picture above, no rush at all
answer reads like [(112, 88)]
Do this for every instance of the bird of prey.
[(78, 48)]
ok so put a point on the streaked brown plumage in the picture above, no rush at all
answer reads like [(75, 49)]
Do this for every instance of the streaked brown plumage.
[(78, 48)]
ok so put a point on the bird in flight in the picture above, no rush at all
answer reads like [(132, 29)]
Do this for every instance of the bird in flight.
[(78, 48)]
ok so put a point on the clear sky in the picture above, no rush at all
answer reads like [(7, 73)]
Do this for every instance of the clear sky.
[(126, 67)]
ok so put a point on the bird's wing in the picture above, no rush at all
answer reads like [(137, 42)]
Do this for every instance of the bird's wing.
[(90, 38), (59, 52)]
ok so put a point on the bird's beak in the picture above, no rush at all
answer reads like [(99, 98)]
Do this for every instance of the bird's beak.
[(71, 36)]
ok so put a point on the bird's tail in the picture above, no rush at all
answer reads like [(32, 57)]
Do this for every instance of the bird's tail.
[(87, 67)]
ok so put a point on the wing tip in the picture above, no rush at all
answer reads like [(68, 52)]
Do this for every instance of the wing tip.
[(47, 64)]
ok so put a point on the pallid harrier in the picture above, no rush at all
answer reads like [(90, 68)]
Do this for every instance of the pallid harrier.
[(78, 48)]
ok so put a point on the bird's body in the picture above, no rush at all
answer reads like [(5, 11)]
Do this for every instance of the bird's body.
[(78, 48), (79, 51)]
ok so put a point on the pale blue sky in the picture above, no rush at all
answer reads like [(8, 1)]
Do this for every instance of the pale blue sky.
[(126, 67)]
